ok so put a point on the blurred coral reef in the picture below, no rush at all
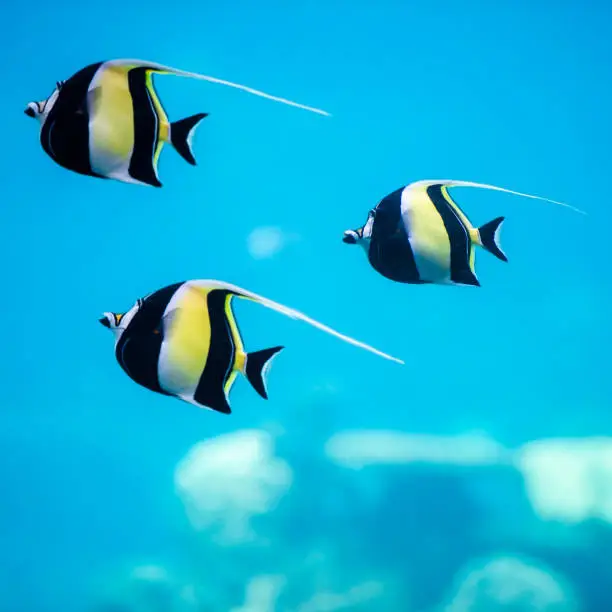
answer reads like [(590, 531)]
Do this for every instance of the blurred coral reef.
[(384, 521)]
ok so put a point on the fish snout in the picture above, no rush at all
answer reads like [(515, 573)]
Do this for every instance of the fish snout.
[(105, 321), (350, 237), (30, 111)]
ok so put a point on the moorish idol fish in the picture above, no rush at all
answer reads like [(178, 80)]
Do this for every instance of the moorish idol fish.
[(184, 341), (107, 121), (418, 234)]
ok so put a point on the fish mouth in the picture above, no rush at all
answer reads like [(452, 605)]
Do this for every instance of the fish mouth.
[(29, 111), (104, 321), (350, 237)]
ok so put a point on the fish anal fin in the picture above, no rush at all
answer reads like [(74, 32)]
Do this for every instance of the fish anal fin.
[(222, 407), (465, 277), (218, 404)]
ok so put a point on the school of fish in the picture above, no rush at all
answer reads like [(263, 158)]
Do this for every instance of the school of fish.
[(183, 340)]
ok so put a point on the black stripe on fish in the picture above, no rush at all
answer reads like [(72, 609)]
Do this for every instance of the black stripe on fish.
[(221, 356), (139, 346), (139, 358), (152, 309), (65, 133), (390, 252), (389, 210), (146, 129), (458, 236)]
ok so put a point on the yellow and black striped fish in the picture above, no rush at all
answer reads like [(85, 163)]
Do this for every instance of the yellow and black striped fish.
[(418, 234), (107, 121), (184, 341)]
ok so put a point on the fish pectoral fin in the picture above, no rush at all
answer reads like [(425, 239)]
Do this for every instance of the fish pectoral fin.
[(93, 97), (167, 321), (257, 366)]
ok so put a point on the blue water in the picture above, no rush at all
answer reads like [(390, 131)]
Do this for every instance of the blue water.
[(92, 509)]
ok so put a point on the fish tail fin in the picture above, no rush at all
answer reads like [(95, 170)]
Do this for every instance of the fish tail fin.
[(181, 134), (489, 238), (256, 368)]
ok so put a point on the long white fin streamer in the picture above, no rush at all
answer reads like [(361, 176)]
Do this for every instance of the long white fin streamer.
[(290, 312), (452, 183), (204, 77)]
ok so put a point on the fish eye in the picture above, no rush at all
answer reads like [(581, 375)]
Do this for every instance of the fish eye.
[(59, 84)]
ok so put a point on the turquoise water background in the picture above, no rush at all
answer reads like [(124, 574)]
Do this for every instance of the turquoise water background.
[(102, 504)]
